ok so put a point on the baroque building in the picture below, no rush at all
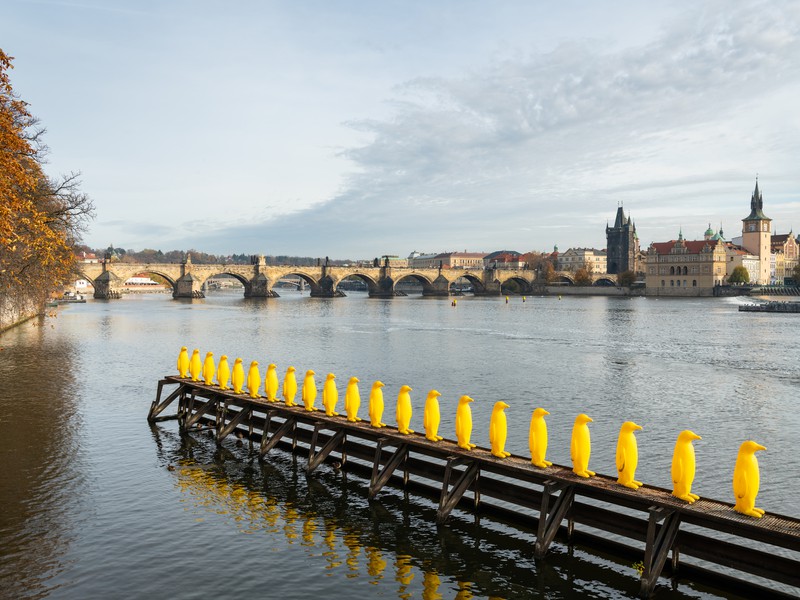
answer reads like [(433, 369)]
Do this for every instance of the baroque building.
[(685, 268), (622, 245)]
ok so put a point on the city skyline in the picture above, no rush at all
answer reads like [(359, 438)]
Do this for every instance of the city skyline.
[(349, 130)]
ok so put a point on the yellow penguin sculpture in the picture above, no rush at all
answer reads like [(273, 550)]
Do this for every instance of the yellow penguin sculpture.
[(746, 480), (289, 387), (253, 380), (223, 372), (628, 456), (352, 400), (464, 423), (581, 446), (498, 430), (330, 395), (237, 377), (271, 385), (195, 365), (404, 410), (683, 466), (432, 417), (309, 392), (183, 362), (208, 369), (537, 438), (376, 405)]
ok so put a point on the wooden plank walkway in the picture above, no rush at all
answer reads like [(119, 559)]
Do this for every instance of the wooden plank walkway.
[(715, 534)]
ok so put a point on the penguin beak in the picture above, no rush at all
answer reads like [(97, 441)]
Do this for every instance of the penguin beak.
[(503, 405), (696, 437), (544, 412), (589, 419), (759, 447), (638, 427)]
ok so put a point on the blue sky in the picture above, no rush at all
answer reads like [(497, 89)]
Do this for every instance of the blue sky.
[(355, 129)]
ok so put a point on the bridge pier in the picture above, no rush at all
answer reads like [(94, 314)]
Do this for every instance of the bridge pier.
[(259, 287), (188, 286), (325, 287), (107, 286), (439, 287), (490, 288)]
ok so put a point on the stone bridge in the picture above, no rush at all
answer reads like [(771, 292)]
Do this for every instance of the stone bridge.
[(187, 279)]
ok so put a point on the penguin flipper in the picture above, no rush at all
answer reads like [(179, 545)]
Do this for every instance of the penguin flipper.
[(620, 460), (739, 484)]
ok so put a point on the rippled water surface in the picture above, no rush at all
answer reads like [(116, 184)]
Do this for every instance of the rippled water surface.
[(96, 503)]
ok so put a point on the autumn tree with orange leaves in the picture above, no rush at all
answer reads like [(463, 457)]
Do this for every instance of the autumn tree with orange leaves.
[(40, 218)]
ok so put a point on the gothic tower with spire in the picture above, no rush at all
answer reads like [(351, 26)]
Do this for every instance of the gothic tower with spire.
[(756, 235), (622, 245)]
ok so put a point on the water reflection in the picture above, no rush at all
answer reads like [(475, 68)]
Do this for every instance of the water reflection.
[(392, 544), (40, 433)]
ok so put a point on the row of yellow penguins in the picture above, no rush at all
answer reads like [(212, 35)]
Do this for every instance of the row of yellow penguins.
[(745, 475)]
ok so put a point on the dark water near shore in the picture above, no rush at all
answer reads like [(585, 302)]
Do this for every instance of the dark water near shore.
[(90, 508)]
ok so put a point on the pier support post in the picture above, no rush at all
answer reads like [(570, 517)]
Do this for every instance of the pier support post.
[(660, 541), (551, 513), (269, 442), (315, 458), (158, 406), (450, 498), (380, 478), (226, 430), (201, 410)]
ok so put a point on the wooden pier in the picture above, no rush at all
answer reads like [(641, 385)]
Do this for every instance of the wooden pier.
[(731, 551)]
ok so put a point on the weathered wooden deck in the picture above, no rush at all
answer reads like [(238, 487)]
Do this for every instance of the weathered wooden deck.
[(735, 547)]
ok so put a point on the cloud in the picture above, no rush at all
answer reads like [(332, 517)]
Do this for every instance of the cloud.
[(529, 152)]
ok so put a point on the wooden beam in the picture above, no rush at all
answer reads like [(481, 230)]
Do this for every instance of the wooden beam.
[(269, 442), (380, 478), (315, 458), (450, 498), (660, 540), (552, 512), (157, 406), (232, 424), (201, 411)]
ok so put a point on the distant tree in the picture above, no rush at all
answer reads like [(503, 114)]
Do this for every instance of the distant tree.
[(796, 274), (739, 275), (583, 277), (626, 279)]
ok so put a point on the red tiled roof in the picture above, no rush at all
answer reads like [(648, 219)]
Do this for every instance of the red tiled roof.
[(692, 246)]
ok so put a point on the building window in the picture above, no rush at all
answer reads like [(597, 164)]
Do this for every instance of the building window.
[(662, 283), (694, 282), (671, 283), (672, 270), (679, 283)]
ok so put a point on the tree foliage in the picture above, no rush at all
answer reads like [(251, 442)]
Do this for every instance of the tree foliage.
[(583, 276), (40, 217), (739, 275), (796, 274), (626, 279)]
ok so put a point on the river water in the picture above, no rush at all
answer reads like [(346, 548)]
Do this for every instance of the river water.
[(97, 503)]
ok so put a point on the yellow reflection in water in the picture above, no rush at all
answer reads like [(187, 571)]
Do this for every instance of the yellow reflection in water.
[(252, 512)]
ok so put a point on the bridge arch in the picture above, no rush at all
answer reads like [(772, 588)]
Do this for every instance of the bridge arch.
[(476, 282), (564, 279), (515, 285), (605, 282), (372, 285), (428, 289), (313, 284)]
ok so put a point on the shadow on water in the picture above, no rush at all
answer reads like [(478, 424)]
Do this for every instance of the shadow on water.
[(392, 543), (40, 427)]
